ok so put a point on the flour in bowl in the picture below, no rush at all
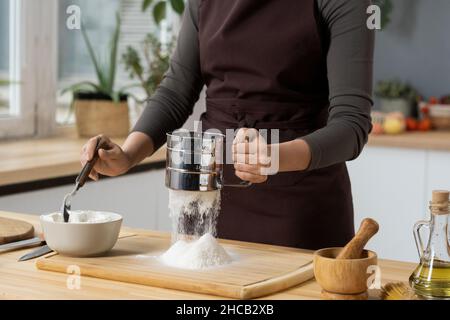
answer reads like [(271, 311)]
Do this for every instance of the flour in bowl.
[(202, 253), (80, 217)]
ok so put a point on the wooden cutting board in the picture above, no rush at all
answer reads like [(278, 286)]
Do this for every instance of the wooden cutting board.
[(257, 270), (12, 230)]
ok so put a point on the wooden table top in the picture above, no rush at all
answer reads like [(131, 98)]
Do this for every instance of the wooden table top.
[(433, 140), (21, 280), (39, 159), (30, 160)]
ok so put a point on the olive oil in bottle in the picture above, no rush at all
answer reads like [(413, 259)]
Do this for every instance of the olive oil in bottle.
[(431, 279)]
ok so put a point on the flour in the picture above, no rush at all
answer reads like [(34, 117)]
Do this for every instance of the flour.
[(79, 217), (202, 253), (194, 217), (193, 213)]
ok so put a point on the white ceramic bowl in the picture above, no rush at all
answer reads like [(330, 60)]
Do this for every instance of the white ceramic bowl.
[(82, 239)]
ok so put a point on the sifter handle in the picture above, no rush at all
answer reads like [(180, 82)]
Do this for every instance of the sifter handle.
[(242, 184)]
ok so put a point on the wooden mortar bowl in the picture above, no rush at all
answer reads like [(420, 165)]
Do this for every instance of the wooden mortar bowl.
[(343, 276)]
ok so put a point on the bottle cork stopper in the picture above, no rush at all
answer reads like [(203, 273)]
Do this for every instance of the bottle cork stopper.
[(440, 196), (439, 203)]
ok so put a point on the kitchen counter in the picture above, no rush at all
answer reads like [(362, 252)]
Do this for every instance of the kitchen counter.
[(433, 140), (30, 160), (21, 280)]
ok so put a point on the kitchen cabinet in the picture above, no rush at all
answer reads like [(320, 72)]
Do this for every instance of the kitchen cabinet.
[(394, 185), (438, 170), (389, 186), (141, 198)]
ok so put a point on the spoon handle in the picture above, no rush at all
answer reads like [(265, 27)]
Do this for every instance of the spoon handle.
[(84, 174)]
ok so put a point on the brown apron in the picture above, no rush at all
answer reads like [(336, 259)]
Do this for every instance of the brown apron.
[(264, 64)]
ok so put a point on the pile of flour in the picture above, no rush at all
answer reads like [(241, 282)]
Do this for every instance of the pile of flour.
[(202, 253), (194, 218), (79, 217)]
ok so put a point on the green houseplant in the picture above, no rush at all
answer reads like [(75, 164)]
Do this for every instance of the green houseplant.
[(396, 96), (148, 70), (3, 83), (386, 7), (6, 83), (99, 107), (150, 61), (160, 8)]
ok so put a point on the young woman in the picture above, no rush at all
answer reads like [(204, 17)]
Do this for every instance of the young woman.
[(301, 66)]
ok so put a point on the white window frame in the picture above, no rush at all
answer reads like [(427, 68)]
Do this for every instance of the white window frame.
[(33, 63)]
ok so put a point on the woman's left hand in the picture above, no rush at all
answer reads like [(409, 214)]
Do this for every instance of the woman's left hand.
[(251, 156)]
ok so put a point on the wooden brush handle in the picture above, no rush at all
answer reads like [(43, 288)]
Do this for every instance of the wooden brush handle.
[(354, 249)]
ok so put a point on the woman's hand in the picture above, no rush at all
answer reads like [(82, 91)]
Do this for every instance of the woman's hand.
[(251, 156), (112, 161), (255, 160)]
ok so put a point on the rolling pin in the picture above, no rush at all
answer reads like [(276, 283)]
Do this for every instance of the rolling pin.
[(354, 249)]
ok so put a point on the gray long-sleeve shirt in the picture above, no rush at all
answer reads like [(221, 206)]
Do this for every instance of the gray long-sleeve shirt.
[(349, 65)]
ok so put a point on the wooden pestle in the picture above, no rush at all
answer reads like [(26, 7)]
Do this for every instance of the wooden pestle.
[(354, 249)]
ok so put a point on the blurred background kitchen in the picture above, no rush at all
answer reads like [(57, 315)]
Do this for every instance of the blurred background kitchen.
[(46, 60)]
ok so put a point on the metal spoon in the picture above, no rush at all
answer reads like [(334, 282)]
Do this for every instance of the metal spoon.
[(81, 180)]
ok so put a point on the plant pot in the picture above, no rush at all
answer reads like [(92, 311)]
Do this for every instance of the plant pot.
[(97, 115), (397, 105)]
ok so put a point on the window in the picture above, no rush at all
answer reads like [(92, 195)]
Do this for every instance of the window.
[(41, 56), (74, 64), (27, 57), (4, 57)]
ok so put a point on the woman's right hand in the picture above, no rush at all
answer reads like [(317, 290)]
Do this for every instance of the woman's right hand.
[(112, 161)]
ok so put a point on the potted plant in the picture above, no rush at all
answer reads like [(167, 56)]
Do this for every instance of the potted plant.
[(149, 63), (396, 96), (3, 83), (99, 108), (150, 69), (160, 8), (386, 7)]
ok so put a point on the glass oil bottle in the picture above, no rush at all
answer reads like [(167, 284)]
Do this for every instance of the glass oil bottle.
[(431, 279)]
